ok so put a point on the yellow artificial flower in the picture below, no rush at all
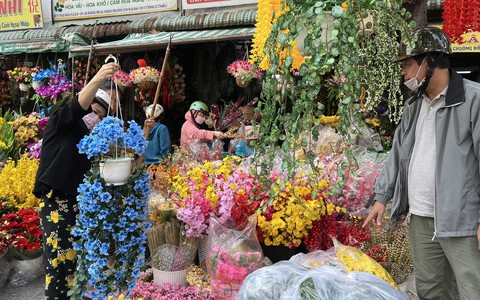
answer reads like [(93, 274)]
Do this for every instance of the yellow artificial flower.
[(17, 181), (71, 254), (54, 216), (54, 262), (48, 279), (268, 13)]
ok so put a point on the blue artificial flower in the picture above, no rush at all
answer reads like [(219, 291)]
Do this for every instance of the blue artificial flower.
[(105, 197)]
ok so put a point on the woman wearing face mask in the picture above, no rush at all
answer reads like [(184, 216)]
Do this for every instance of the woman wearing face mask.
[(195, 117), (59, 174)]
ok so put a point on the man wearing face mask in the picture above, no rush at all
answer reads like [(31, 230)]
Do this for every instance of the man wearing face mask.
[(432, 173), (195, 117), (60, 172)]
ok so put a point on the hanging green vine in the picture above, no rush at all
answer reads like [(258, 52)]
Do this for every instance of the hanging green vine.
[(333, 45)]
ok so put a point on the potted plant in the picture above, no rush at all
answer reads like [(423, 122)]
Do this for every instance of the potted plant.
[(170, 263), (244, 71), (23, 76), (112, 147)]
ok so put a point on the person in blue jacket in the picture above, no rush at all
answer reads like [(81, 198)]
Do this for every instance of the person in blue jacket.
[(158, 136)]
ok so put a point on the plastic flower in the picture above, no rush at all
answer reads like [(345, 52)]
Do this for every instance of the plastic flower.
[(24, 230), (145, 73), (112, 221), (244, 70), (17, 181), (108, 137), (122, 78)]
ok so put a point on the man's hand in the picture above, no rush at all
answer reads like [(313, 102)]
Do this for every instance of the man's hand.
[(376, 214)]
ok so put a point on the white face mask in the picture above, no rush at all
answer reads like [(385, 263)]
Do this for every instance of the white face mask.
[(91, 120), (413, 83)]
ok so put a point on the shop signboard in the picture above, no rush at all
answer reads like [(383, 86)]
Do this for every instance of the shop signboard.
[(194, 4), (471, 44), (90, 9), (19, 15)]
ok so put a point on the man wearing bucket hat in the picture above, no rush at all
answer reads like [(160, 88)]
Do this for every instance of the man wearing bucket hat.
[(59, 174), (194, 117), (158, 136), (432, 173)]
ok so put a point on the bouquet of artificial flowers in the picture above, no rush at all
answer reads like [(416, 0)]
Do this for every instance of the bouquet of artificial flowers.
[(244, 70)]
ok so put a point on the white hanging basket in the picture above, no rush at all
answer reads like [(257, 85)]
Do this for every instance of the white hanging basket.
[(116, 171)]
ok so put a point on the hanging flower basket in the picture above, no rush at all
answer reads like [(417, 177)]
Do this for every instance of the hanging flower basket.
[(147, 85), (240, 82), (23, 87), (116, 171), (109, 143)]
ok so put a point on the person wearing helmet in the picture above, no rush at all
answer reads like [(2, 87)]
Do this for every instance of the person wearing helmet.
[(60, 172), (194, 117), (432, 173), (158, 136)]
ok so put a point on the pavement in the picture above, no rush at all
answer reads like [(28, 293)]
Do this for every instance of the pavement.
[(33, 290)]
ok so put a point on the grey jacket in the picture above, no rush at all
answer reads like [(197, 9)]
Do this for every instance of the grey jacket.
[(457, 189)]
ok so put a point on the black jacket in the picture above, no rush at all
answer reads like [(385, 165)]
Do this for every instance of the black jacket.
[(61, 166)]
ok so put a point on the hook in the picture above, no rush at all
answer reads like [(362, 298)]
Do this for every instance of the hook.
[(111, 57)]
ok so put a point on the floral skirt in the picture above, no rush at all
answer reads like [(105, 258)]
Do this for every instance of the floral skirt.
[(58, 215)]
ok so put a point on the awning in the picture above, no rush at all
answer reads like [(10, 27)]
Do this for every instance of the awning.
[(31, 45), (145, 42)]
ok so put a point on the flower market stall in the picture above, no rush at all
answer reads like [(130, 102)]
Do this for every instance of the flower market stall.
[(204, 223)]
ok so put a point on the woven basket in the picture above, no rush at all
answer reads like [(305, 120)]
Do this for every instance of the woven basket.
[(248, 112), (155, 237), (147, 85)]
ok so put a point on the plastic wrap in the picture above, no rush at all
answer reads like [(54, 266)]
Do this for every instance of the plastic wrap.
[(202, 151), (316, 258), (233, 253), (269, 283), (356, 260), (25, 271), (332, 283), (171, 258), (287, 280)]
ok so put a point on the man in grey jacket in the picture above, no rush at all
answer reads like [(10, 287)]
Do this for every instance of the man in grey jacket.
[(432, 173)]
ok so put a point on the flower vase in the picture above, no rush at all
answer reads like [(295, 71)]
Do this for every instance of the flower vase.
[(23, 87), (174, 277), (116, 171), (240, 83), (147, 85)]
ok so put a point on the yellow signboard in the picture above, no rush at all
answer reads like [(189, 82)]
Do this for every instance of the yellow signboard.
[(471, 44), (20, 14)]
